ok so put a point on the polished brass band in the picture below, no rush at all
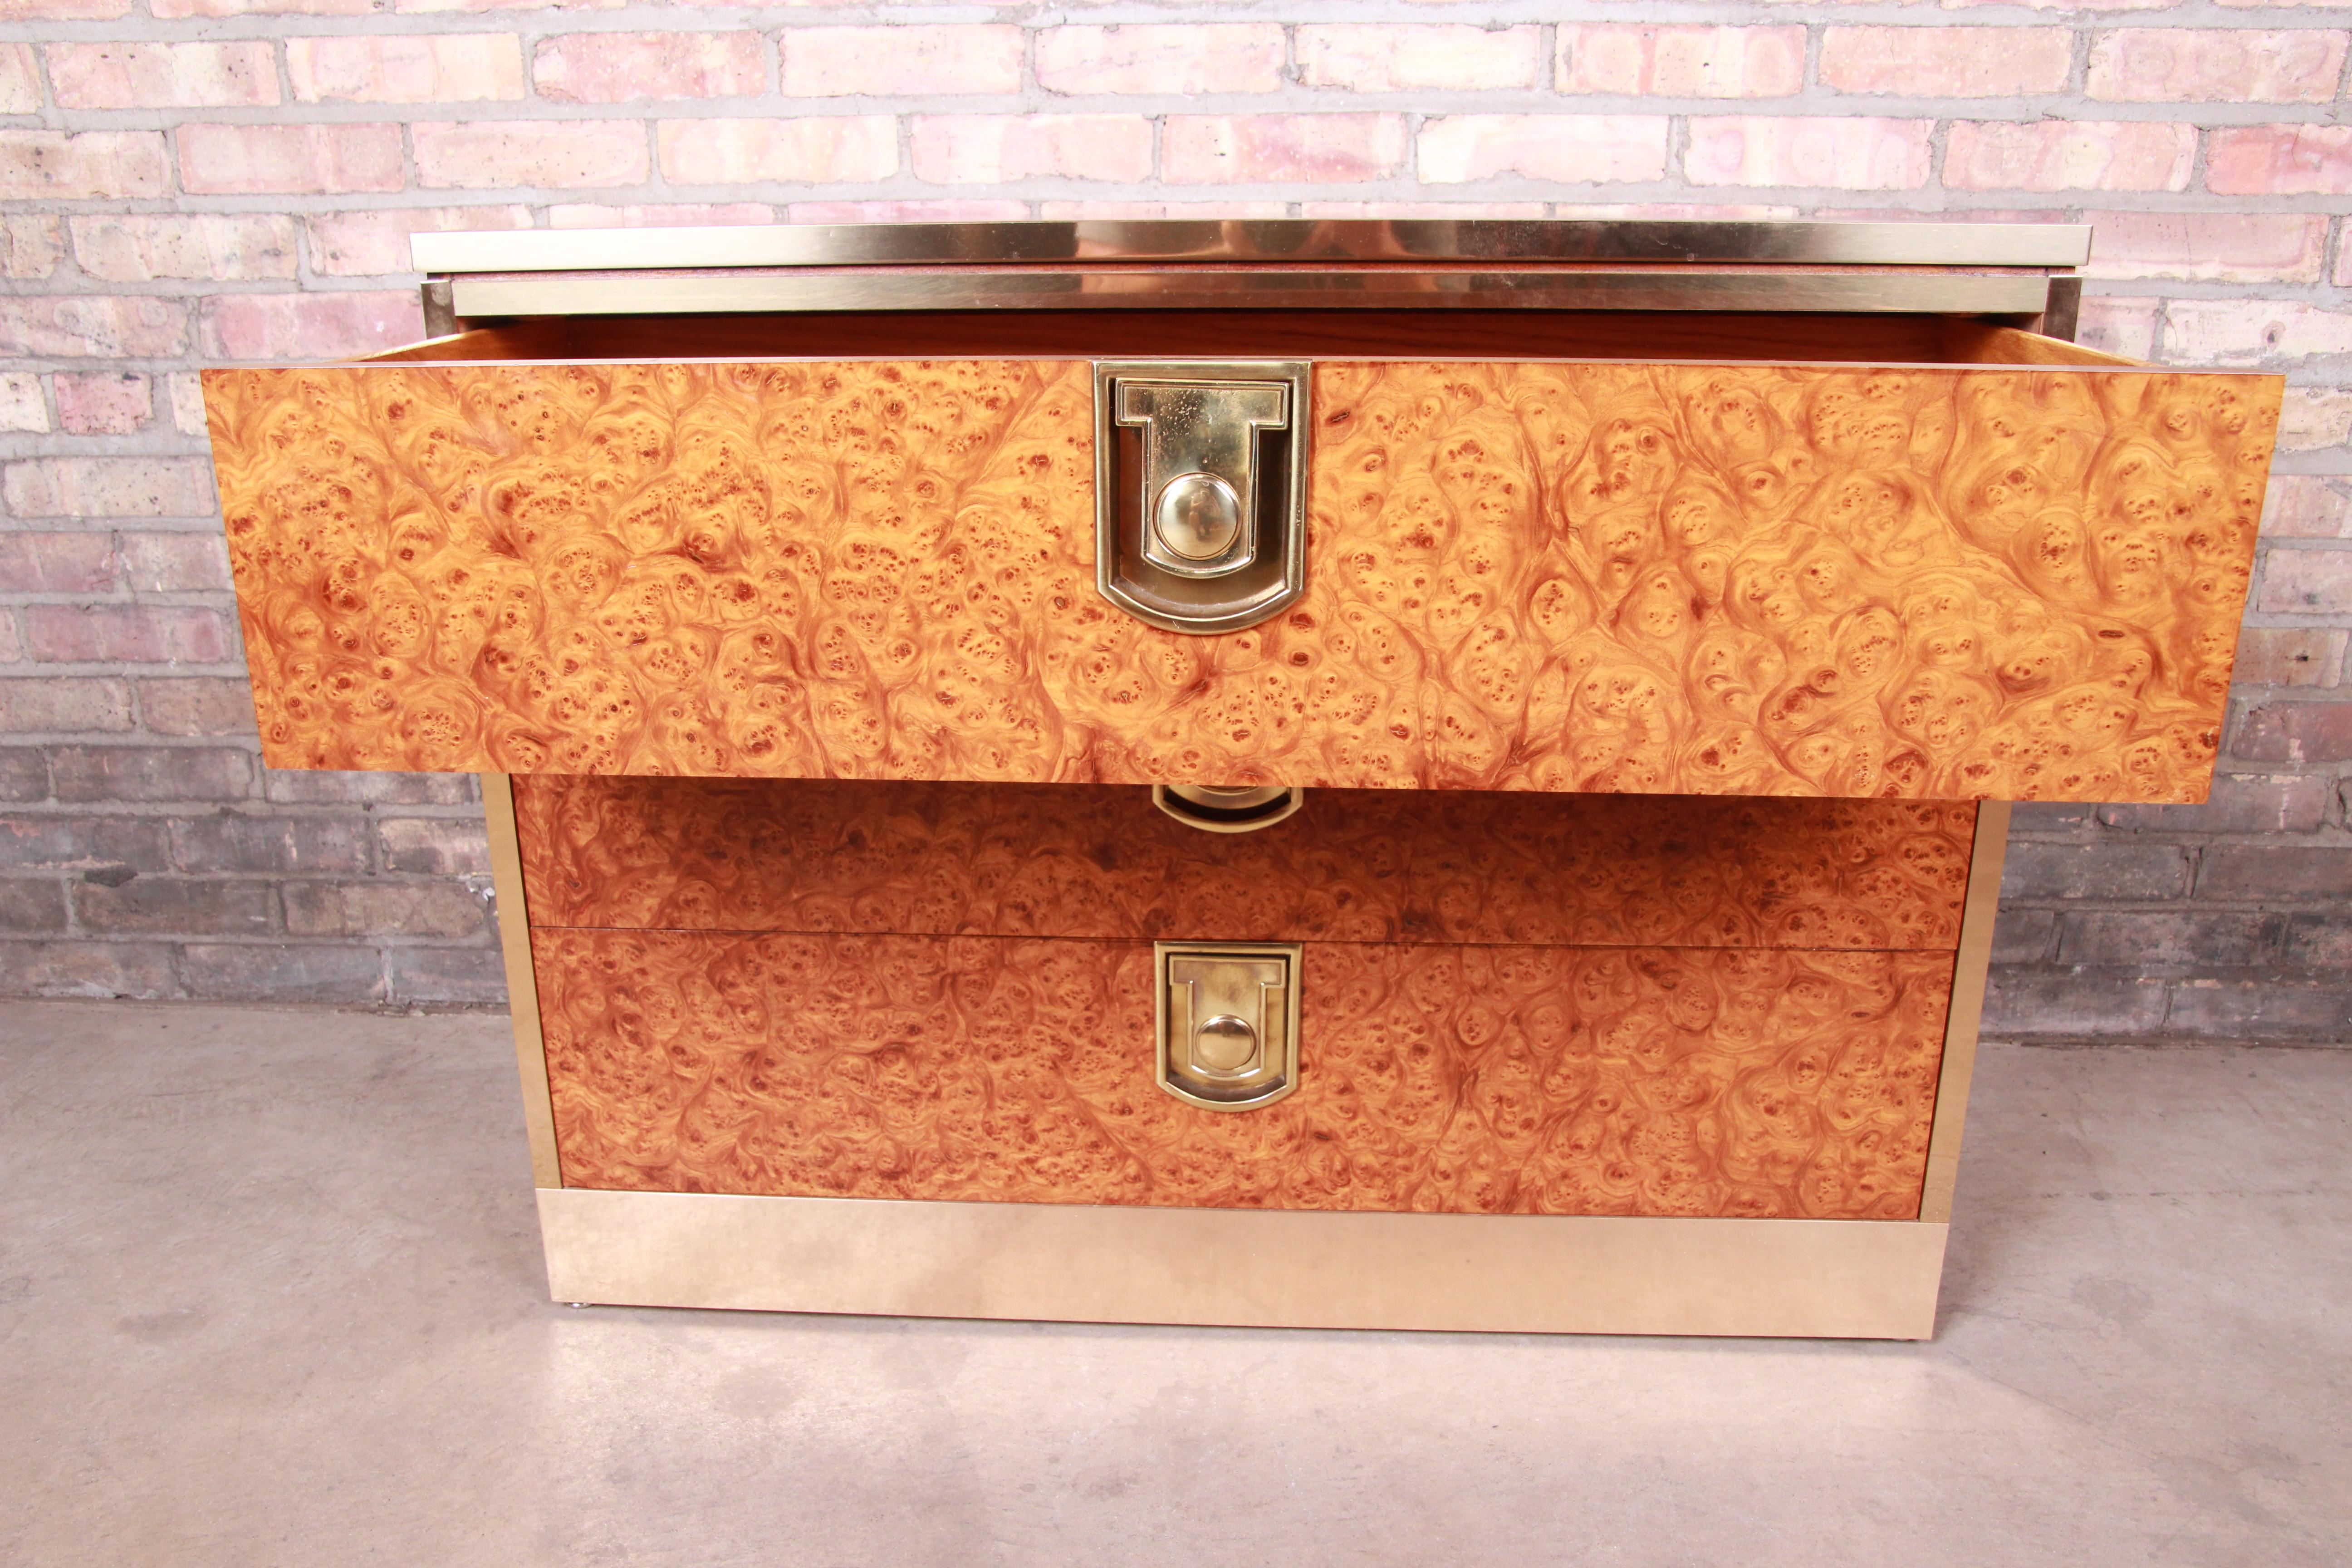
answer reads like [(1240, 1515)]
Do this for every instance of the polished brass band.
[(1971, 965), (523, 984), (1262, 240), (1257, 1267)]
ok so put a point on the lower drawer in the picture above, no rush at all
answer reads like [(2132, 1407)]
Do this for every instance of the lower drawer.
[(1483, 1080)]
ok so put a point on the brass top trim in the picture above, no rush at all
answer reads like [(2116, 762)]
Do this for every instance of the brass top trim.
[(1259, 240)]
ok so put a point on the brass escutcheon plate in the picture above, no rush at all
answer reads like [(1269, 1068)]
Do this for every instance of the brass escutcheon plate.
[(1227, 1017)]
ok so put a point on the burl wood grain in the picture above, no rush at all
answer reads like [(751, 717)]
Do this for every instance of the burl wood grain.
[(1463, 1079), (1745, 578), (1098, 861)]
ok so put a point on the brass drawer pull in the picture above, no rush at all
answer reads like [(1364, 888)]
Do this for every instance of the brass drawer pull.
[(1217, 808), (1200, 489), (1228, 1022)]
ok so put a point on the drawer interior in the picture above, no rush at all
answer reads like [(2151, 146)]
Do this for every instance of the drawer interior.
[(1422, 334)]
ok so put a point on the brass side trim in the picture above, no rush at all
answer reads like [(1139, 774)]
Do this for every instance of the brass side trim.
[(522, 983), (1967, 1011), (486, 296), (1251, 1267)]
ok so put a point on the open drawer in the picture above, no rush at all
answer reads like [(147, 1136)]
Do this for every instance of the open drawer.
[(1863, 554)]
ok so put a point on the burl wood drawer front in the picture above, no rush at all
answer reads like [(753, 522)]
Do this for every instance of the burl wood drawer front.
[(1915, 581), (1094, 861), (1463, 1079)]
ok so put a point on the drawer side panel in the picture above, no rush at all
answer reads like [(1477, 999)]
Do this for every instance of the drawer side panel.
[(1903, 581), (1488, 1080)]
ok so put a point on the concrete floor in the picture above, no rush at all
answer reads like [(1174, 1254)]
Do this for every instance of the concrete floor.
[(269, 1293)]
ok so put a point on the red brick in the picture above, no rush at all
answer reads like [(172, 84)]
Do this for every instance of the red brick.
[(2298, 733), (660, 214), (812, 150), (237, 906), (619, 68), (196, 705), (20, 80), (2211, 247), (2238, 803), (934, 209), (62, 10), (305, 788), (170, 9), (89, 969), (1170, 59), (162, 76), (2280, 160), (231, 841), (990, 148), (309, 326), (282, 971), (57, 563), (443, 845), (128, 633), (497, 153), (22, 406), (469, 976), (1569, 149), (2291, 656), (1259, 149), (290, 159), (2271, 872), (2167, 938), (2243, 332), (150, 772), (188, 399), (2069, 155), (418, 6), (1689, 61), (1388, 57), (31, 245), (372, 244), (913, 61), (2215, 64), (53, 165), (383, 908), (1857, 153), (2313, 418), (2306, 582), (452, 67), (2308, 506), (1945, 61), (104, 403), (127, 248), (92, 326), (68, 705), (1154, 212), (174, 563), (108, 487)]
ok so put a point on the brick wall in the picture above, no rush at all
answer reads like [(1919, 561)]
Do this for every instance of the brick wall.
[(197, 181)]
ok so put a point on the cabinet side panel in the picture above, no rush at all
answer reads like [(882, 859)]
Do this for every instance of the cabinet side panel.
[(1905, 581), (1463, 1079)]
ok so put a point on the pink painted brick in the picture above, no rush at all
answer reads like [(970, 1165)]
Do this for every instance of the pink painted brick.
[(174, 9), (990, 148), (617, 67), (93, 326), (79, 563), (196, 705), (669, 215), (2069, 155), (1258, 149), (20, 80), (455, 68), (54, 165), (2290, 656), (1947, 62), (174, 563), (1386, 57), (492, 155), (140, 248), (62, 10), (2117, 325), (1569, 149), (309, 326), (1425, 210), (22, 406), (162, 76), (108, 487), (2208, 247), (1183, 59), (290, 159), (2246, 331), (812, 150), (1156, 212), (2306, 582), (2280, 160), (418, 7), (900, 61), (186, 393), (1688, 61), (31, 245), (2208, 65), (104, 403), (2315, 418), (928, 210), (372, 244), (2308, 506), (1858, 153), (128, 633)]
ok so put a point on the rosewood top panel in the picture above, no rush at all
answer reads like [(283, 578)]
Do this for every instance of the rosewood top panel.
[(1753, 579)]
